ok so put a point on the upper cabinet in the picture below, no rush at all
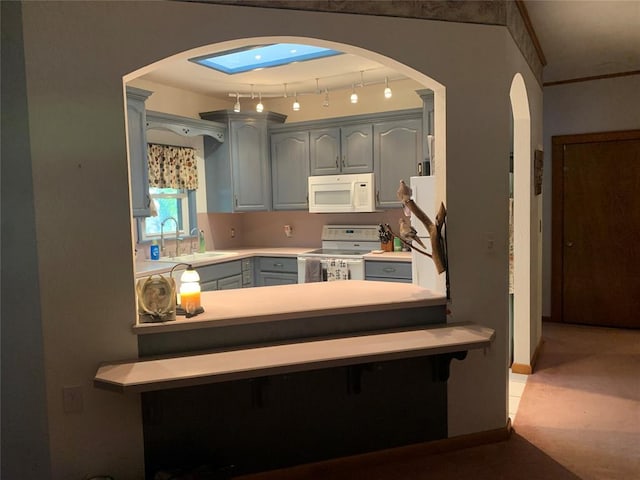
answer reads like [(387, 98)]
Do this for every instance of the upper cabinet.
[(185, 126), (139, 173), (390, 144), (289, 170), (237, 171), (139, 120), (345, 149), (397, 156)]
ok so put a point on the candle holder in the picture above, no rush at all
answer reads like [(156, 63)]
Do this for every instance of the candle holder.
[(189, 293)]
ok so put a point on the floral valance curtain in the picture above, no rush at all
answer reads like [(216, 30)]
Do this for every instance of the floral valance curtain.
[(172, 167)]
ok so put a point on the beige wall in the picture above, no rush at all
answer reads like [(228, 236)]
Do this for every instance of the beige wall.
[(75, 56), (585, 107)]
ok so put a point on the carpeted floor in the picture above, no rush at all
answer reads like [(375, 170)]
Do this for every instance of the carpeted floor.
[(582, 405), (578, 418)]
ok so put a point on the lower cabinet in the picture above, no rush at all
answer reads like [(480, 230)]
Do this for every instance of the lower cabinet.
[(276, 271), (220, 276), (247, 272), (388, 271), (209, 286), (229, 283)]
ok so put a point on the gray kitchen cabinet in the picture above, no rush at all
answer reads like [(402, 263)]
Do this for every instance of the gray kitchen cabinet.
[(220, 276), (209, 286), (230, 283), (345, 149), (387, 271), (237, 172), (397, 146), (289, 170), (138, 168), (276, 271), (247, 272)]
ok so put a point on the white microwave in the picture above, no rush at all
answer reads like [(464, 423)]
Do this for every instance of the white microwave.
[(342, 193)]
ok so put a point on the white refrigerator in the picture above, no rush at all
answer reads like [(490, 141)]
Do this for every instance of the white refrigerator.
[(423, 270)]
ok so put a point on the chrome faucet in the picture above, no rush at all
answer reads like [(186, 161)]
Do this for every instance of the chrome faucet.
[(162, 235)]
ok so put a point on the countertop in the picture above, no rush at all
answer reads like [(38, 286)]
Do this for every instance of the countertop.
[(199, 369), (298, 301), (155, 267)]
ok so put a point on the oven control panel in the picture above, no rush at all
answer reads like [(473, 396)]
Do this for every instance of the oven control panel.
[(350, 233)]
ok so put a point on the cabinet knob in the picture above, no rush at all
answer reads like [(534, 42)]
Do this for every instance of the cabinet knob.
[(569, 244), (337, 162), (344, 161), (235, 200)]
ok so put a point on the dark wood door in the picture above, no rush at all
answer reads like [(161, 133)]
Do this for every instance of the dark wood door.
[(600, 231)]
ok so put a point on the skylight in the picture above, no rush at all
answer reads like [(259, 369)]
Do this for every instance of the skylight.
[(262, 56)]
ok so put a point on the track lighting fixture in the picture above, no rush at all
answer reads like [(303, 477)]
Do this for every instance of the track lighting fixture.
[(320, 91), (259, 106), (387, 90), (354, 95)]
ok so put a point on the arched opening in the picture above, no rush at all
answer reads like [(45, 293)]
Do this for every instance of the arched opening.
[(524, 258)]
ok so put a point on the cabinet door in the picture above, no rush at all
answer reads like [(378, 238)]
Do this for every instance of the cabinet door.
[(388, 271), (324, 151), (357, 148), (209, 286), (266, 279), (251, 176), (230, 283), (136, 126), (290, 170), (397, 149)]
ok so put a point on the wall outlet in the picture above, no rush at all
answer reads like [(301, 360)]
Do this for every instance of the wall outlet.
[(72, 401), (232, 233), (288, 231), (490, 240)]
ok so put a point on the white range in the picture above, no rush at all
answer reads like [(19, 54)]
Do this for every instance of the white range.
[(342, 254)]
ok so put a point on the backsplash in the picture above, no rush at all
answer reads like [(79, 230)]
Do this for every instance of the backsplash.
[(266, 229)]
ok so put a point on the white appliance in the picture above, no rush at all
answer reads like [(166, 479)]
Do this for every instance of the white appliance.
[(342, 254), (423, 270), (342, 193)]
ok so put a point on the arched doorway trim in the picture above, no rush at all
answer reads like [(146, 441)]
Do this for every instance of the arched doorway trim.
[(523, 260)]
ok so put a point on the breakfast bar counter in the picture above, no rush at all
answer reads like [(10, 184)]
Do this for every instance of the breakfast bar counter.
[(248, 333), (363, 365), (307, 300)]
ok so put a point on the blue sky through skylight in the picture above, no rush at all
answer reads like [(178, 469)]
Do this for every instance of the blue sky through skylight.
[(262, 56)]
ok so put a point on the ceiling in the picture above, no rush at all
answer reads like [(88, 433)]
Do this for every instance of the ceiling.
[(578, 38), (586, 38), (333, 73)]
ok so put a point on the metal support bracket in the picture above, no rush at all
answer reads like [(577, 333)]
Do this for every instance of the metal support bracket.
[(442, 363)]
